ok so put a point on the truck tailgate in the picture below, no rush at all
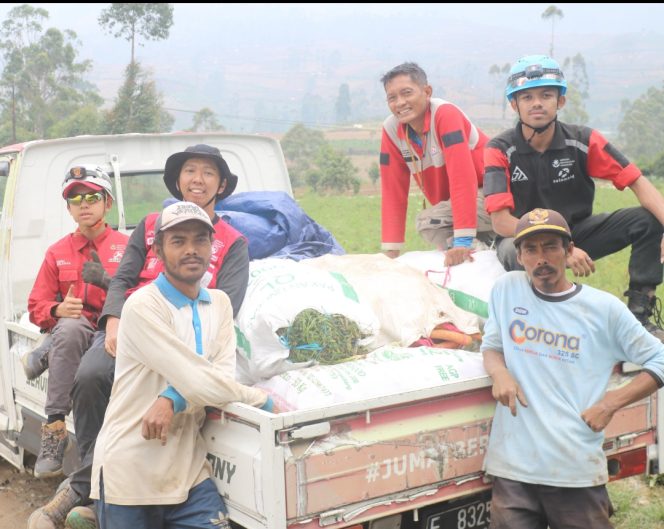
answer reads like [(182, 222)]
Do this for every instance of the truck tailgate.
[(368, 457), (341, 465)]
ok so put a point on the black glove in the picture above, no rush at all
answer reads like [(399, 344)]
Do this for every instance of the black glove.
[(94, 273)]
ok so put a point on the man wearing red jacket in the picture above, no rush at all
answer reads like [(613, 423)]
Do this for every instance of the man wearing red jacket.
[(66, 301), (543, 163), (435, 142)]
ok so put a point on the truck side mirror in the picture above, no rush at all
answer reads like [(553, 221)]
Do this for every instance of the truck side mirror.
[(4, 167)]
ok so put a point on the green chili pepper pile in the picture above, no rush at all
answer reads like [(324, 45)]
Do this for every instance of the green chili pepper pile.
[(327, 338)]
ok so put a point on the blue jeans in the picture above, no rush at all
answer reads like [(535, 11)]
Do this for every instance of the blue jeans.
[(203, 509)]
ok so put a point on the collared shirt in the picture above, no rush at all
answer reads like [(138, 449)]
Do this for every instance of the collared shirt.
[(447, 165), (520, 178), (157, 346), (63, 267), (179, 301)]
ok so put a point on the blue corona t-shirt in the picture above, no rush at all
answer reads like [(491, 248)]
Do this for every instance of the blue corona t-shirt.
[(561, 351)]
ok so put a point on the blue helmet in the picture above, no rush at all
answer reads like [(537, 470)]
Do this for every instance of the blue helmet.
[(533, 71)]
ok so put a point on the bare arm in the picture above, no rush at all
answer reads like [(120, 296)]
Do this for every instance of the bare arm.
[(601, 413), (505, 389), (504, 223), (651, 199)]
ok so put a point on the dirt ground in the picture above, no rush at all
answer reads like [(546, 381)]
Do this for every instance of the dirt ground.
[(20, 494)]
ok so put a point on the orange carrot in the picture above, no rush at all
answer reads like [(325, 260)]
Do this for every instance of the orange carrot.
[(457, 337), (447, 344)]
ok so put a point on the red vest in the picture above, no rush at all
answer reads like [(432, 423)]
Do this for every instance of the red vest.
[(224, 237)]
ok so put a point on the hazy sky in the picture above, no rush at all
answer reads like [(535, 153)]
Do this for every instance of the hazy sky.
[(266, 53), (251, 25)]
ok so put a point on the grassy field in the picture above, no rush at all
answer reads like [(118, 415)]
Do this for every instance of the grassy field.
[(355, 223), (354, 220)]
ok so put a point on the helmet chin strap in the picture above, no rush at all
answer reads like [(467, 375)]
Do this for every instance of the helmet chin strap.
[(213, 199), (537, 130), (216, 196)]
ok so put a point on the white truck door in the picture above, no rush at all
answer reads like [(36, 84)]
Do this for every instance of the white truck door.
[(9, 450), (34, 216)]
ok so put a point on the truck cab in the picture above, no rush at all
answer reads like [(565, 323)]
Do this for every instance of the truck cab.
[(34, 216)]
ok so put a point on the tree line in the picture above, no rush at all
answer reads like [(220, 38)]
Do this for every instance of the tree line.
[(44, 94)]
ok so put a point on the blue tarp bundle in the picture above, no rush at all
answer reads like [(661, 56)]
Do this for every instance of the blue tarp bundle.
[(276, 226)]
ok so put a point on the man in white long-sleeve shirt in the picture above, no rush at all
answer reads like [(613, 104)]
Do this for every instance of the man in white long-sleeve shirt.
[(175, 355), (550, 346)]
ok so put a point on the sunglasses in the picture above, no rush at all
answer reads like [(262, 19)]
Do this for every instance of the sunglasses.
[(90, 198)]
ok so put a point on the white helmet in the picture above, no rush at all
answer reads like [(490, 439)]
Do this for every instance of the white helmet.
[(91, 176)]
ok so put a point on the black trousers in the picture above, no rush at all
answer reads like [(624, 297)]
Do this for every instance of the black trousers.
[(90, 395), (607, 233), (516, 505)]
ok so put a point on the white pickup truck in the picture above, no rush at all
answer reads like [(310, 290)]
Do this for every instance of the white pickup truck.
[(409, 460)]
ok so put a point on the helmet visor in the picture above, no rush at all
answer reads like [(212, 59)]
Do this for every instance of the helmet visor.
[(81, 173), (535, 73)]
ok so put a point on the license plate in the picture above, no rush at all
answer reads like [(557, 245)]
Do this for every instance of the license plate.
[(473, 515)]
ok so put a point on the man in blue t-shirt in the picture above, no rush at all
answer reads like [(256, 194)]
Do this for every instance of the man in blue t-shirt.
[(550, 347)]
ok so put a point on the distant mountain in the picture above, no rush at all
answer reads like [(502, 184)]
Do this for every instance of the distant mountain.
[(263, 67)]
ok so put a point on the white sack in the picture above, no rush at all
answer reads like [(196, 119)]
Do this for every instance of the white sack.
[(469, 284), (278, 290), (407, 304), (385, 371)]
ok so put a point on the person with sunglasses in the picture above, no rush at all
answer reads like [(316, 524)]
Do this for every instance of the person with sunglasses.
[(199, 174), (66, 301), (543, 163), (435, 143)]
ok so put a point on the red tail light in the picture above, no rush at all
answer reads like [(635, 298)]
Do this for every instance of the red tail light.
[(627, 464)]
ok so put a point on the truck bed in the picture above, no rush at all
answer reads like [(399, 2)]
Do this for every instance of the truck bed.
[(341, 465)]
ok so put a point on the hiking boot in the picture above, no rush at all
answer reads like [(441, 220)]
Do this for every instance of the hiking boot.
[(643, 303), (54, 439), (53, 514), (81, 518), (36, 361)]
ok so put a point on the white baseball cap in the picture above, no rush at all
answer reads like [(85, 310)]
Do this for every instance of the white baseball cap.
[(181, 212)]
